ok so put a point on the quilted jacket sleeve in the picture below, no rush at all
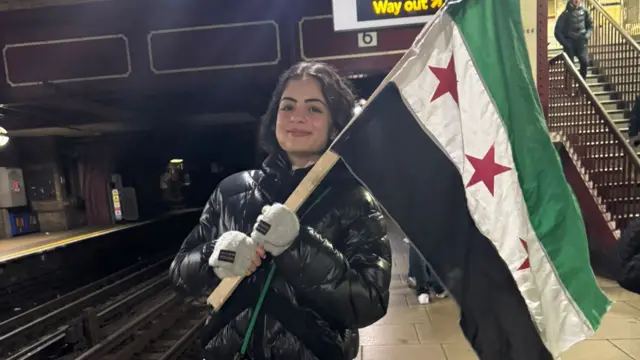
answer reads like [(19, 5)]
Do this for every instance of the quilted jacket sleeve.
[(348, 283), (559, 30), (190, 271)]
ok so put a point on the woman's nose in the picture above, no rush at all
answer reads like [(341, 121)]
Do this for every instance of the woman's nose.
[(298, 116)]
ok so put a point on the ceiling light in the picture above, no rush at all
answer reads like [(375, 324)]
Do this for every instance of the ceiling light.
[(4, 137)]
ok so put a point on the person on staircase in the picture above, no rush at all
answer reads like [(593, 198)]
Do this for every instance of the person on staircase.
[(634, 123), (628, 261), (313, 277), (573, 31)]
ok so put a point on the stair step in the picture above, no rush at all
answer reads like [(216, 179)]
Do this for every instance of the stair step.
[(612, 169), (610, 190), (599, 143), (615, 115), (622, 200), (600, 87), (606, 156), (620, 114), (626, 216), (610, 105), (622, 184), (617, 62), (605, 95), (591, 70), (603, 102), (625, 60), (595, 79), (595, 127), (616, 71), (600, 177), (619, 209)]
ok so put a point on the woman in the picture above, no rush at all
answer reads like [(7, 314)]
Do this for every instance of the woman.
[(332, 259)]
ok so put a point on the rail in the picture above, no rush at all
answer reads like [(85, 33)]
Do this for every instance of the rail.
[(615, 52), (89, 317), (610, 164), (165, 330), (44, 309)]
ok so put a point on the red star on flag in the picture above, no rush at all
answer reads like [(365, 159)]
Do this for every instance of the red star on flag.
[(486, 169), (448, 81), (525, 265)]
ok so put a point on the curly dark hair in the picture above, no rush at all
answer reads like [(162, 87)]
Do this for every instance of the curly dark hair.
[(336, 90)]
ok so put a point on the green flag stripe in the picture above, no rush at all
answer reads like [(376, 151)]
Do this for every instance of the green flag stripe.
[(493, 33)]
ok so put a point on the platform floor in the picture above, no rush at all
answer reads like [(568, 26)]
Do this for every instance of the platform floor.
[(24, 245), (27, 244), (411, 331)]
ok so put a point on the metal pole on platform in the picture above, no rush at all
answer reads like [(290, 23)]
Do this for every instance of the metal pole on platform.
[(543, 50), (534, 21)]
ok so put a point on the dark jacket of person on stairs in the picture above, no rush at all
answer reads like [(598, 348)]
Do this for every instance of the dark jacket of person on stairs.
[(634, 123), (628, 252), (573, 31)]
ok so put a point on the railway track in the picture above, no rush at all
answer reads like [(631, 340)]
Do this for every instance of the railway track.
[(165, 331), (83, 318), (24, 295)]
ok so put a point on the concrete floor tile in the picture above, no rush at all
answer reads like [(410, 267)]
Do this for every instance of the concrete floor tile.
[(595, 350), (405, 352), (389, 335)]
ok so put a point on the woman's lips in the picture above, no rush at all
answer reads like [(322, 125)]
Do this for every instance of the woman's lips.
[(298, 133)]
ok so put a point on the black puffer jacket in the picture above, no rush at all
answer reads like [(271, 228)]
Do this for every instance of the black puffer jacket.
[(333, 280), (628, 251), (574, 24)]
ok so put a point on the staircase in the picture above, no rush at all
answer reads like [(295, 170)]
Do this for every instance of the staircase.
[(598, 149), (590, 117), (609, 98), (615, 57), (606, 95)]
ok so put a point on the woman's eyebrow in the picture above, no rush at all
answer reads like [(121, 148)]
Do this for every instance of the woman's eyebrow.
[(315, 100), (310, 100)]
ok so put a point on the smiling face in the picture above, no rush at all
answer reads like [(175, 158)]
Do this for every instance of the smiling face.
[(303, 123)]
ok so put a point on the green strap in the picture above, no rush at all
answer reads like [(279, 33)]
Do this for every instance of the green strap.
[(256, 311)]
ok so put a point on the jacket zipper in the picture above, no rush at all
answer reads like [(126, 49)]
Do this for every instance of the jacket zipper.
[(258, 333)]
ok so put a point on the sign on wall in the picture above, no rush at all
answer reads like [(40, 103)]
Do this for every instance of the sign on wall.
[(374, 14), (117, 209)]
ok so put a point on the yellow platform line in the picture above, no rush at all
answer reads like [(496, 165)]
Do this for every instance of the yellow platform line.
[(77, 238), (55, 244)]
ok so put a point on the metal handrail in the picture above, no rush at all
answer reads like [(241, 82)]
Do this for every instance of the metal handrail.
[(615, 24), (615, 54), (629, 151), (607, 161)]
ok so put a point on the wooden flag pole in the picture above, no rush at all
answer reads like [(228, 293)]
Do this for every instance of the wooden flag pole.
[(321, 168)]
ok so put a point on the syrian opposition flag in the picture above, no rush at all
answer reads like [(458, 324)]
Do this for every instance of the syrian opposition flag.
[(456, 150)]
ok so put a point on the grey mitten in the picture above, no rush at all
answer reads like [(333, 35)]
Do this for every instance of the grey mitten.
[(276, 228), (233, 254)]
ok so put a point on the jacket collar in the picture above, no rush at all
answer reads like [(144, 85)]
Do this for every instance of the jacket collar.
[(571, 7), (277, 165)]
